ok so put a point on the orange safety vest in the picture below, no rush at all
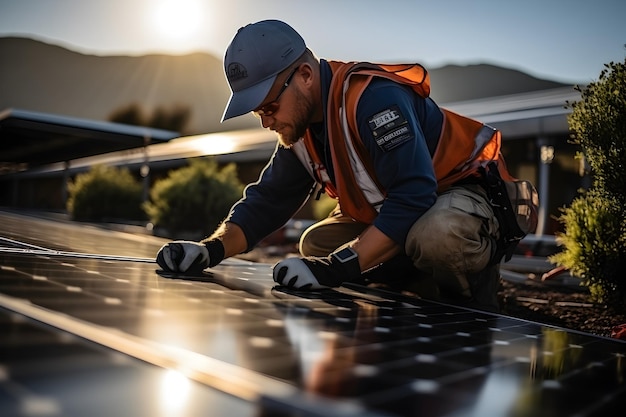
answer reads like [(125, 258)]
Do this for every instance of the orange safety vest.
[(464, 144)]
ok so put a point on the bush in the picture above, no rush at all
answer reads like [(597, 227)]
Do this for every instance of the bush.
[(599, 126), (105, 193), (192, 201), (594, 237), (594, 245)]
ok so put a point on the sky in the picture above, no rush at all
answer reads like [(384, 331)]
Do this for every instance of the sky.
[(560, 40)]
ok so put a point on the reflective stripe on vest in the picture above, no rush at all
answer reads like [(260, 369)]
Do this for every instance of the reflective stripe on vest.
[(364, 180)]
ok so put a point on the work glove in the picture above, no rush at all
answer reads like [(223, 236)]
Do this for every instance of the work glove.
[(313, 273), (191, 257)]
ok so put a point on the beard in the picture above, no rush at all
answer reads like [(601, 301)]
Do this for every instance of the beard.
[(302, 111)]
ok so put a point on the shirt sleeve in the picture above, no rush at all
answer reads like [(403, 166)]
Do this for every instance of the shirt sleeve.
[(400, 131), (283, 187)]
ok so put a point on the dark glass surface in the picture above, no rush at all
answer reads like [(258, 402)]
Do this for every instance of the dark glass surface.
[(47, 372), (254, 347)]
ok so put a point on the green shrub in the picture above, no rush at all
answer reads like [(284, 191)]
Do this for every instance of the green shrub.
[(594, 237), (105, 193), (594, 245), (599, 125), (193, 200)]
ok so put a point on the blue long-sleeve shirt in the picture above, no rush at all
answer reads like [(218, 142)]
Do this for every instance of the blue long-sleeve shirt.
[(402, 166)]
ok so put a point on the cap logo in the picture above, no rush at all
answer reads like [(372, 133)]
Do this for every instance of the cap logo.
[(236, 71)]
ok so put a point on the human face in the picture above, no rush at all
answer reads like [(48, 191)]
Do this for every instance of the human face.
[(295, 115), (301, 114), (273, 106)]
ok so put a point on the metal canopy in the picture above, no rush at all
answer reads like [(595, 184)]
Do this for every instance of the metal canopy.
[(33, 139)]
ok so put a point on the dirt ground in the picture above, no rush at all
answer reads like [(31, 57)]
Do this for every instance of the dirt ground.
[(559, 306)]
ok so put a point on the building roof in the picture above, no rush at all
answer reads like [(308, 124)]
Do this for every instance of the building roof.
[(516, 116), (534, 113), (29, 139)]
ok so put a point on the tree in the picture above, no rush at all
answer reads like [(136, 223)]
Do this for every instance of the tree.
[(131, 114), (175, 118), (594, 237)]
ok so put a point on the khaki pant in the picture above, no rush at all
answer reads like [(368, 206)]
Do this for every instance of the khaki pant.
[(451, 244)]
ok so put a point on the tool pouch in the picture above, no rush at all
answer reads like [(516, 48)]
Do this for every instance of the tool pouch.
[(515, 204)]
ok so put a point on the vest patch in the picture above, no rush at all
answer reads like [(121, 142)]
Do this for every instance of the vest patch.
[(390, 128)]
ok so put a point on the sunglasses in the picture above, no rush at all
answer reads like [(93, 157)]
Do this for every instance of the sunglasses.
[(272, 107)]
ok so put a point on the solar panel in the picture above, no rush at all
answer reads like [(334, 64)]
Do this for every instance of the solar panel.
[(47, 372), (266, 349)]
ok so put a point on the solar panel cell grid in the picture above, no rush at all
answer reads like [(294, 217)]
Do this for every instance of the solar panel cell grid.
[(367, 351)]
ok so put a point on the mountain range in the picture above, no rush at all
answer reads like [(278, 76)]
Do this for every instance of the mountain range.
[(43, 77)]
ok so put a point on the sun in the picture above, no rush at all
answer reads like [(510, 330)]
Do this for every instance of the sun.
[(178, 20)]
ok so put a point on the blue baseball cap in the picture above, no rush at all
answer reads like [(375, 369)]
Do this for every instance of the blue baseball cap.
[(256, 55)]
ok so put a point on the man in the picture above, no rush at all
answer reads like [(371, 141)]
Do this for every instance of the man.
[(412, 207)]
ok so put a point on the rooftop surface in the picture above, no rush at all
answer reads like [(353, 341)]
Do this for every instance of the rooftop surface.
[(91, 327)]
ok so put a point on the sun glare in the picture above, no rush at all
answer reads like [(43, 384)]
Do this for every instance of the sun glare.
[(178, 20)]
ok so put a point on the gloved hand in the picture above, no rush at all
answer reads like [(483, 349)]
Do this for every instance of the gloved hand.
[(312, 273), (187, 256)]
